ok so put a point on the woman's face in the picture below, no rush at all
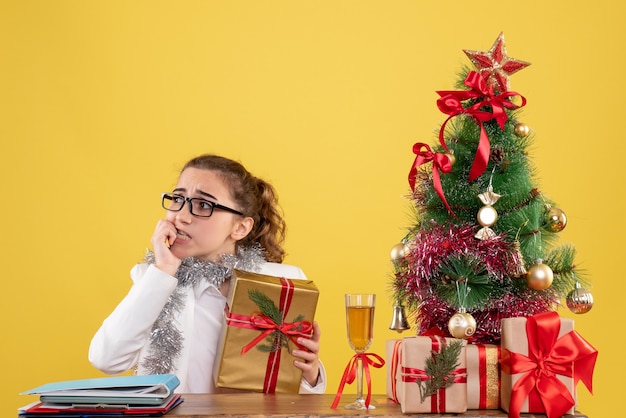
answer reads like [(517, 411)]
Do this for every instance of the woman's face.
[(206, 238)]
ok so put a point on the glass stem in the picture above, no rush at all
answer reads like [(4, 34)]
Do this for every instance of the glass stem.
[(359, 380)]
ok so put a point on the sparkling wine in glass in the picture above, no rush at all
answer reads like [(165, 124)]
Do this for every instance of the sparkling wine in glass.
[(360, 325)]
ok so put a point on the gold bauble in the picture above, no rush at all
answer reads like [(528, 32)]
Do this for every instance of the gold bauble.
[(579, 301), (555, 220), (462, 325), (399, 251), (539, 276), (521, 129), (487, 216)]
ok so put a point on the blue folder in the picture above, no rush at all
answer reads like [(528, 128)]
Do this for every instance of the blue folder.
[(119, 390)]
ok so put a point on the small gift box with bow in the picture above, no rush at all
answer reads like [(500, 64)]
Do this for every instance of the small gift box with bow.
[(430, 374), (264, 317), (483, 376), (543, 359)]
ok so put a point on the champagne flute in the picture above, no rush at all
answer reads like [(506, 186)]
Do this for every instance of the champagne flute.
[(360, 324)]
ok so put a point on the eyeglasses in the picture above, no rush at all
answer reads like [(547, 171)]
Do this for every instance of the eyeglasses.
[(197, 207)]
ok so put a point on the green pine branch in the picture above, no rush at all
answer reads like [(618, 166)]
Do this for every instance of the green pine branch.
[(463, 282), (276, 340), (439, 368), (566, 273), (266, 305)]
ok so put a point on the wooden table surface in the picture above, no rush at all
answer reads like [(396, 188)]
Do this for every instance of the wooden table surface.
[(235, 405)]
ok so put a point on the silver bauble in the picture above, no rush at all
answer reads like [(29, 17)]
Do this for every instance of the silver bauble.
[(579, 301)]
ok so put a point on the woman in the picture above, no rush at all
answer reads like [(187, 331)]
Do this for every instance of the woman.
[(219, 217)]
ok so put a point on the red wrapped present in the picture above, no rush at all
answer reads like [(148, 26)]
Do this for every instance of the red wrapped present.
[(543, 359), (431, 375), (265, 315), (483, 376)]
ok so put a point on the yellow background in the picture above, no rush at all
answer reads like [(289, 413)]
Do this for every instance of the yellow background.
[(102, 102)]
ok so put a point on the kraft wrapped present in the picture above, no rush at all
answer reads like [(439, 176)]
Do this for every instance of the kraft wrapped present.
[(419, 390), (264, 317), (483, 376), (392, 359), (543, 359)]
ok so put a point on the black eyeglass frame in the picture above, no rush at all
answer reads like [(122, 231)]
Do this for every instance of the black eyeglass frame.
[(170, 196)]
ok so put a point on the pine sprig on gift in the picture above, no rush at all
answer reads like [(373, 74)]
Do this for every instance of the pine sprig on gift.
[(268, 308), (439, 368), (266, 305), (276, 340)]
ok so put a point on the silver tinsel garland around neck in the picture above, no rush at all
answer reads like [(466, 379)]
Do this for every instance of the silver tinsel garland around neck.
[(166, 340)]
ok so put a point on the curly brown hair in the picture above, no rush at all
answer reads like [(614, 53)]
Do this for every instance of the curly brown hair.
[(256, 198)]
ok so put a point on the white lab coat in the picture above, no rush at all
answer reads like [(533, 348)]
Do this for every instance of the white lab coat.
[(122, 341)]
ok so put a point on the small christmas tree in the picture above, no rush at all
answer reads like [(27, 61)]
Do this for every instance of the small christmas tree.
[(483, 246)]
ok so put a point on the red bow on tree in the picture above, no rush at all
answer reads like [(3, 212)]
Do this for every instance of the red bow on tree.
[(450, 103), (548, 356), (441, 162)]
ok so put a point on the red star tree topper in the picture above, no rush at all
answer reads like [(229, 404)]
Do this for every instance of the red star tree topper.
[(495, 66)]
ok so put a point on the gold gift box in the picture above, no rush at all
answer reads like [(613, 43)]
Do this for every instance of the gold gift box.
[(483, 376), (260, 369)]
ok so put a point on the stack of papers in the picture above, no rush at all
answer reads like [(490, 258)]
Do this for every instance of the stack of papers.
[(150, 395)]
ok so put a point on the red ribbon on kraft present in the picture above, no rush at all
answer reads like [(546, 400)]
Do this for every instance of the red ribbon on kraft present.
[(395, 365), (548, 356), (349, 374), (450, 103), (268, 326), (413, 375)]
